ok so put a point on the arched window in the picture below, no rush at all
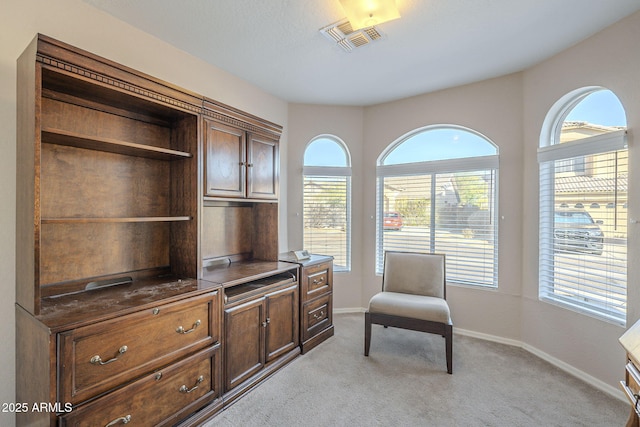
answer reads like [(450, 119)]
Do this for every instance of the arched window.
[(583, 162), (437, 193), (327, 200)]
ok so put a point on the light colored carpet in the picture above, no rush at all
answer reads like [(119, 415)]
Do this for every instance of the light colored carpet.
[(404, 382)]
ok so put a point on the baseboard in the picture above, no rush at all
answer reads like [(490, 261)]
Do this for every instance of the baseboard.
[(591, 380), (349, 310)]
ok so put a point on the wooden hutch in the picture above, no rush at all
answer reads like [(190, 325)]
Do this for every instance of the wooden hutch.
[(148, 285)]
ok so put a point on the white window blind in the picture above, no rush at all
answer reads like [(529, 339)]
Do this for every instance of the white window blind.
[(326, 204), (583, 225), (448, 208)]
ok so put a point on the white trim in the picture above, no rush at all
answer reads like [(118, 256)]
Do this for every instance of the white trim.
[(611, 141), (581, 375), (571, 370), (414, 132), (564, 366), (550, 132), (351, 310), (335, 139), (326, 170), (439, 166)]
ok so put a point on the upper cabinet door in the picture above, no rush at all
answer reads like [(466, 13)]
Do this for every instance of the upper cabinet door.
[(225, 163), (262, 168)]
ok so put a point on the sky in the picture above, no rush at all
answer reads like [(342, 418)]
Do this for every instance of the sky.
[(601, 107)]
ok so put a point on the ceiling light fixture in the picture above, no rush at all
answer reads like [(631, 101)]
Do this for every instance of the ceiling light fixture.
[(367, 13)]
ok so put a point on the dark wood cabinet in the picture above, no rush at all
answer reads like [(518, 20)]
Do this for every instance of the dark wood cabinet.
[(261, 317), (259, 331), (282, 322), (241, 154), (108, 253), (262, 167), (148, 287), (244, 342), (316, 298), (176, 391), (225, 160), (630, 341), (239, 164)]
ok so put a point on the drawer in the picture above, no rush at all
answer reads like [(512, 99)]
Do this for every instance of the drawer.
[(159, 398), (317, 315), (317, 280), (632, 382), (99, 357)]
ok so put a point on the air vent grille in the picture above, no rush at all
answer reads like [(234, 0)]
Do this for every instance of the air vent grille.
[(343, 35)]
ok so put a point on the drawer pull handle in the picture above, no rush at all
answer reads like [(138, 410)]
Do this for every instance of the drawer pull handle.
[(181, 330), (318, 281), (97, 360), (319, 315), (123, 420), (184, 389)]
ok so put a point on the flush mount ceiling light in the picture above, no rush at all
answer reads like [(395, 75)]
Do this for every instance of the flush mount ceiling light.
[(367, 13)]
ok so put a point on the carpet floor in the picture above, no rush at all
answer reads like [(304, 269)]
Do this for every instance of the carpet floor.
[(404, 382)]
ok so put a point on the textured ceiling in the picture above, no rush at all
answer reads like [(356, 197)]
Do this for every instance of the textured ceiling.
[(276, 45)]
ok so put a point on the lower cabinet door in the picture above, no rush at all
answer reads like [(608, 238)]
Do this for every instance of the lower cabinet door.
[(282, 322), (160, 398), (244, 341)]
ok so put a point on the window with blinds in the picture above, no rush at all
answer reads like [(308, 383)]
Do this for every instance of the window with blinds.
[(327, 201), (583, 214), (443, 203)]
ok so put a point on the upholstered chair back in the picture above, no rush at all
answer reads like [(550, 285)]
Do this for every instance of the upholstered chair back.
[(413, 273)]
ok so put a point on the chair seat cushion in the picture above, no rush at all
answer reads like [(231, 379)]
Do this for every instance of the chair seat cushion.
[(413, 306)]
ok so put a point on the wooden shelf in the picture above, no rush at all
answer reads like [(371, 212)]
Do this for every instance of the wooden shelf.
[(73, 139), (114, 220)]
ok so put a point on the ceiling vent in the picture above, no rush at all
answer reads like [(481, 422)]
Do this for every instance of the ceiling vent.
[(343, 35)]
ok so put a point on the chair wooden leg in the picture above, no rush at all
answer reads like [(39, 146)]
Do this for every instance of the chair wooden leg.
[(449, 345), (367, 332)]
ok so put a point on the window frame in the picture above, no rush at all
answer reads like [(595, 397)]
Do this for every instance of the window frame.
[(435, 168), (332, 171), (550, 151)]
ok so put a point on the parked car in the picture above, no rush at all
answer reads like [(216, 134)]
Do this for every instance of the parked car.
[(576, 231), (392, 221)]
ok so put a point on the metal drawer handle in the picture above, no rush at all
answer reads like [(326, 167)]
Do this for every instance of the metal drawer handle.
[(317, 281), (97, 360), (123, 420), (318, 315), (184, 389), (181, 330)]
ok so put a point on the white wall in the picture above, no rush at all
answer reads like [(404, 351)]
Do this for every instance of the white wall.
[(611, 59), (493, 108), (508, 110), (81, 25), (305, 123)]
